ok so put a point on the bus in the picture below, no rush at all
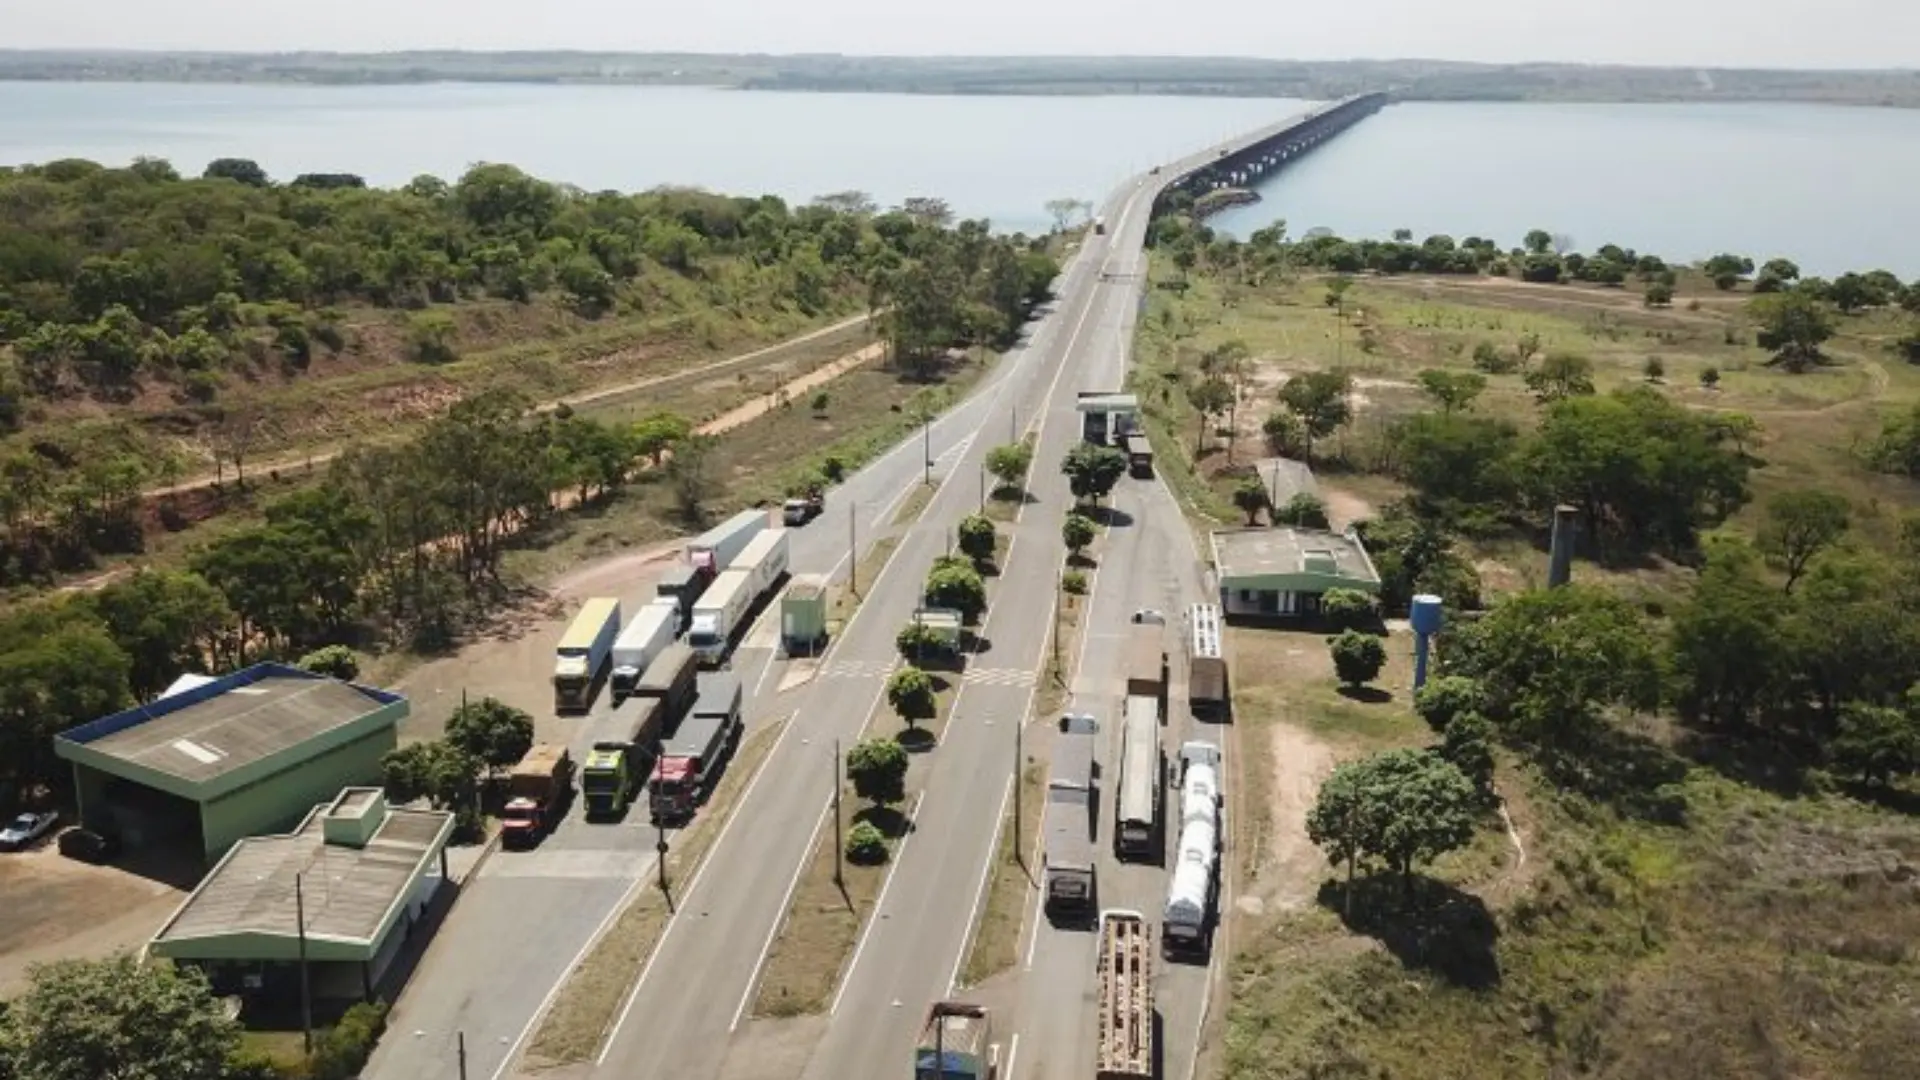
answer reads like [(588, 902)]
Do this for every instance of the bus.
[(1141, 767)]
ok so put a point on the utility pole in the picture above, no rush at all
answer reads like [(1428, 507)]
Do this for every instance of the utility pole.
[(983, 487), (853, 553), (839, 843), (1059, 597), (926, 420), (462, 1036), (306, 992), (660, 827), (1019, 781)]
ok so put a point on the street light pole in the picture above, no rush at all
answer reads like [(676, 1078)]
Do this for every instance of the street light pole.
[(853, 553), (306, 991), (926, 419), (839, 843), (1019, 778)]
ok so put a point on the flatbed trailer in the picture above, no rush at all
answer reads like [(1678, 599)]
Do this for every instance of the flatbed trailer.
[(1125, 1049)]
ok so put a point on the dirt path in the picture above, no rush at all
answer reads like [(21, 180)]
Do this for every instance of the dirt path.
[(1294, 867), (1548, 295)]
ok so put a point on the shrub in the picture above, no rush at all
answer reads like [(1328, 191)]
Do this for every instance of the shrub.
[(914, 641), (866, 845), (1302, 511), (1346, 609), (430, 334), (1074, 582), (1447, 697), (337, 661), (341, 1050), (1357, 657)]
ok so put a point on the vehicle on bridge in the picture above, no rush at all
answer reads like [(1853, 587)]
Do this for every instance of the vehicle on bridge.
[(1125, 1030), (683, 775), (1070, 824), (956, 1043), (583, 654), (538, 787)]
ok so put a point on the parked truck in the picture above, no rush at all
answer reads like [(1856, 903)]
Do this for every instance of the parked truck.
[(1124, 1050), (721, 615), (1070, 824), (670, 680), (1206, 663), (1193, 891), (651, 631), (803, 616), (956, 1043), (1147, 662), (684, 585), (614, 767), (717, 548), (683, 776), (583, 654), (537, 790), (1140, 457)]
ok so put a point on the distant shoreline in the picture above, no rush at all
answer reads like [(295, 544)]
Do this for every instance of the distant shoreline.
[(1410, 80)]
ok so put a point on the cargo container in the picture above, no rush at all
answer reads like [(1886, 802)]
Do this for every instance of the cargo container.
[(1071, 823), (537, 789), (684, 774), (1142, 767), (671, 680), (715, 550), (720, 617), (583, 654), (1207, 690), (1146, 661), (683, 584), (803, 616), (650, 631), (1140, 457)]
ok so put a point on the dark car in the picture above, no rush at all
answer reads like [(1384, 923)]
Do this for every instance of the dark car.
[(87, 845)]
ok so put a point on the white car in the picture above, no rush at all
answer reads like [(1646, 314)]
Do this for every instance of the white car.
[(27, 828)]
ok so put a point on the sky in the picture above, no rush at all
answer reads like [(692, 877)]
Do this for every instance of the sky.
[(1719, 33)]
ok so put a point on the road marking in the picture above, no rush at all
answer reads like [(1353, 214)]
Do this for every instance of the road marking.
[(893, 864), (1039, 902), (856, 669), (998, 676), (753, 981), (986, 875), (1013, 1054), (633, 993)]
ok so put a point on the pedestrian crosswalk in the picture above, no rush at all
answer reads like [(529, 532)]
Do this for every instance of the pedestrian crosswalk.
[(856, 669), (999, 676)]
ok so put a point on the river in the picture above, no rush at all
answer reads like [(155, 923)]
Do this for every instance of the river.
[(1829, 187)]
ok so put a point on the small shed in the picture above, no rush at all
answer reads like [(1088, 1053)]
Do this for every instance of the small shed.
[(1283, 572)]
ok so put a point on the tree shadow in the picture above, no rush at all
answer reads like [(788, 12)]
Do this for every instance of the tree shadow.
[(917, 740), (1753, 758), (1366, 695), (892, 822), (986, 568), (1110, 516), (1628, 773), (972, 641), (1009, 493), (1078, 561), (1899, 800), (1436, 928)]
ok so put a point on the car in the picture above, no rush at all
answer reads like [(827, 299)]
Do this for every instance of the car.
[(23, 830), (89, 846), (803, 509), (1148, 615)]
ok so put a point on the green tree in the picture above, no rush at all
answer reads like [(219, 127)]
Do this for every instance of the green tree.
[(1009, 464), (336, 661), (878, 770), (916, 641), (1357, 657), (1467, 744), (1658, 294), (1730, 645), (1876, 745), (1799, 525), (1076, 532), (490, 730), (1452, 390), (658, 433), (1446, 698), (690, 476), (1547, 660), (1792, 326), (1337, 288), (1727, 270), (438, 771), (866, 844), (1250, 498), (952, 583), (978, 537), (1710, 377), (1346, 609), (1284, 433), (1323, 402), (59, 667), (1402, 807), (117, 1019), (1561, 376), (1655, 369), (239, 170), (1304, 511), (166, 621), (1454, 463), (1775, 275), (1209, 397), (431, 335), (910, 692), (1908, 346), (1092, 470)]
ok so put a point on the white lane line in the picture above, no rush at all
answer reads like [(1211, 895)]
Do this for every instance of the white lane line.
[(986, 875), (786, 903), (1039, 904), (693, 883), (893, 864), (1013, 1054)]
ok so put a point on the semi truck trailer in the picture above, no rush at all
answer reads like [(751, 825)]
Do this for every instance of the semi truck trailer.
[(1206, 662), (537, 791), (1124, 1050), (671, 680), (1070, 822), (614, 767), (689, 761), (956, 1043), (715, 550), (1193, 891), (720, 616), (651, 631), (583, 654), (683, 584)]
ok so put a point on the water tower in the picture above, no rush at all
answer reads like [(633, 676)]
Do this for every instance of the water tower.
[(1426, 619)]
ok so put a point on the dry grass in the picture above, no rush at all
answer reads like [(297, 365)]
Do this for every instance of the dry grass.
[(573, 1029), (823, 922), (996, 940)]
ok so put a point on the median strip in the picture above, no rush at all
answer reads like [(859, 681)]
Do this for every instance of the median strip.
[(572, 1031), (996, 939)]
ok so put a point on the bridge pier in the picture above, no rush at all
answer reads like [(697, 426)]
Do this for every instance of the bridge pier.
[(1274, 149)]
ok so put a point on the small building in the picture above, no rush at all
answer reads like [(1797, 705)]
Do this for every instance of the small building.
[(244, 754), (1282, 572), (345, 888), (1107, 417)]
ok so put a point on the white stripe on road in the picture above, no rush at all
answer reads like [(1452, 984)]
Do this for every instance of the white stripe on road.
[(986, 875), (893, 864), (753, 982)]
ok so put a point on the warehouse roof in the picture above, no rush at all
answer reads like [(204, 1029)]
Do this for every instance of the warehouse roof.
[(1243, 555), (350, 890), (226, 725)]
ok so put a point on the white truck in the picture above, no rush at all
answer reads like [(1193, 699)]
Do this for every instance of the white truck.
[(650, 631), (582, 653), (716, 549), (1194, 889), (721, 613)]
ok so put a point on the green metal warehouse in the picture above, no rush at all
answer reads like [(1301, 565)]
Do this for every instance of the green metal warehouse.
[(1282, 572), (247, 753), (342, 892)]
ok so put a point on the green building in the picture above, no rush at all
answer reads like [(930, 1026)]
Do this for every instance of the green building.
[(244, 754), (344, 891), (1282, 572)]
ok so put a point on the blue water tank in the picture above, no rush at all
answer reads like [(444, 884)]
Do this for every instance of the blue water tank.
[(1425, 615)]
